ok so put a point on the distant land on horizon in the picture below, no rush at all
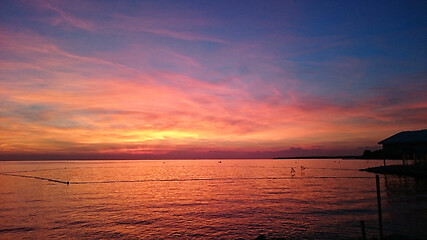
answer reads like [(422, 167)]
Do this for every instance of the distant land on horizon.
[(138, 159), (292, 153), (321, 157), (81, 158)]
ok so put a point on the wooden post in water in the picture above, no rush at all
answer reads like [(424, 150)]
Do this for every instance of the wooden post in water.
[(362, 225), (403, 159), (380, 213)]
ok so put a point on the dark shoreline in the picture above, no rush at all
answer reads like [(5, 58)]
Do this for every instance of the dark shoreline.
[(322, 157), (401, 170), (167, 159)]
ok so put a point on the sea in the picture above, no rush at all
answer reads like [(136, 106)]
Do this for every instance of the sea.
[(206, 199)]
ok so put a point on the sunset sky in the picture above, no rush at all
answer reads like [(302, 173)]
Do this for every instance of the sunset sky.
[(206, 79)]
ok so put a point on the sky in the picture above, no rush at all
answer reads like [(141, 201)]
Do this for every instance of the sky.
[(209, 79)]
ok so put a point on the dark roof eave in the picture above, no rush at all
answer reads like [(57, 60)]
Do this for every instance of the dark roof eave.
[(407, 137), (384, 142)]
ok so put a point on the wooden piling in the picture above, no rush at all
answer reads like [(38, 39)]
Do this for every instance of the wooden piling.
[(403, 159), (380, 214), (362, 225)]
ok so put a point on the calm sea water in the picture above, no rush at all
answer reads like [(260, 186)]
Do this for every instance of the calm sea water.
[(205, 199)]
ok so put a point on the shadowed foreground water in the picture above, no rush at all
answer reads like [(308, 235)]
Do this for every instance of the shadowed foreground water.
[(205, 199)]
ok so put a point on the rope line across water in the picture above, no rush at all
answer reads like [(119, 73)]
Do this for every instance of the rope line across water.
[(184, 179)]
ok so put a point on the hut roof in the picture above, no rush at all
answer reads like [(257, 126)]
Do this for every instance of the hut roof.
[(419, 136)]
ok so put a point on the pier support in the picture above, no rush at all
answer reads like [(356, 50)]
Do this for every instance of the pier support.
[(362, 225), (380, 213)]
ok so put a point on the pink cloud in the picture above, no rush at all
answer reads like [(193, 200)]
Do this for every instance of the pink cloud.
[(165, 27), (158, 24), (63, 17), (182, 35)]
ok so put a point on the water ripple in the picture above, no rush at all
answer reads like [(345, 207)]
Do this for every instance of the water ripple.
[(18, 229)]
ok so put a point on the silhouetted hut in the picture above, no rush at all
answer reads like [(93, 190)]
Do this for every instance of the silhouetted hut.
[(408, 145)]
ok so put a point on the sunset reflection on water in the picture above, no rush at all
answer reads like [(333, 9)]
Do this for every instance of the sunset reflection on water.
[(204, 199)]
